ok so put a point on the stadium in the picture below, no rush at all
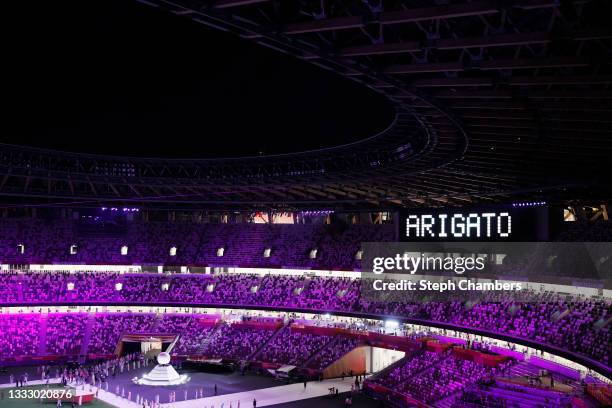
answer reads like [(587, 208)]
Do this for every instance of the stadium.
[(249, 203)]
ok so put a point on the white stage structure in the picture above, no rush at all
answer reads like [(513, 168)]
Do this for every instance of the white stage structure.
[(163, 374)]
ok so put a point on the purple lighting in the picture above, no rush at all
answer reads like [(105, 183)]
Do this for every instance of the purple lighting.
[(529, 204), (321, 294), (316, 213), (124, 209)]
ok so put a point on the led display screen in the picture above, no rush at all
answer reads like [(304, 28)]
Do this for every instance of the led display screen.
[(512, 223)]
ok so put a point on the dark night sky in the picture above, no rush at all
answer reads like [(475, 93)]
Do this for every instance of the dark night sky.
[(119, 77)]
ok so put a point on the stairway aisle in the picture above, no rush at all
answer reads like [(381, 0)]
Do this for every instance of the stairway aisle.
[(390, 367), (313, 355), (20, 290), (447, 402), (253, 357), (208, 339), (156, 326), (42, 345), (87, 336)]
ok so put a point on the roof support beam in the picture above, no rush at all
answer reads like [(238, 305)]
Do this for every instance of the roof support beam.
[(220, 4), (476, 8), (425, 68), (446, 44), (380, 49), (559, 80), (316, 26), (454, 82), (492, 41), (508, 94), (553, 62)]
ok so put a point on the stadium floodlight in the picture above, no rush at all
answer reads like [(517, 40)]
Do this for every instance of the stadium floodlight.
[(391, 324), (529, 204), (317, 213)]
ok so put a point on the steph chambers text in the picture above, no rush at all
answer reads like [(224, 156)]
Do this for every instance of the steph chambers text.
[(461, 285)]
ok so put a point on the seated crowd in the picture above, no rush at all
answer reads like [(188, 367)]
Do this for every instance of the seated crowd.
[(423, 375), (65, 333), (69, 241), (235, 342), (293, 347), (338, 347), (19, 335), (99, 334), (431, 381), (572, 322), (107, 329), (193, 335), (411, 366)]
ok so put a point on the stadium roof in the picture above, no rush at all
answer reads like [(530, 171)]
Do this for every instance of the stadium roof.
[(494, 101)]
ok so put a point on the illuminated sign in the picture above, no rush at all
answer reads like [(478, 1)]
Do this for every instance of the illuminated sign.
[(459, 225), (498, 223)]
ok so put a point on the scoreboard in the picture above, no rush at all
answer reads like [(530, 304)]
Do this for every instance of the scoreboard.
[(510, 223)]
